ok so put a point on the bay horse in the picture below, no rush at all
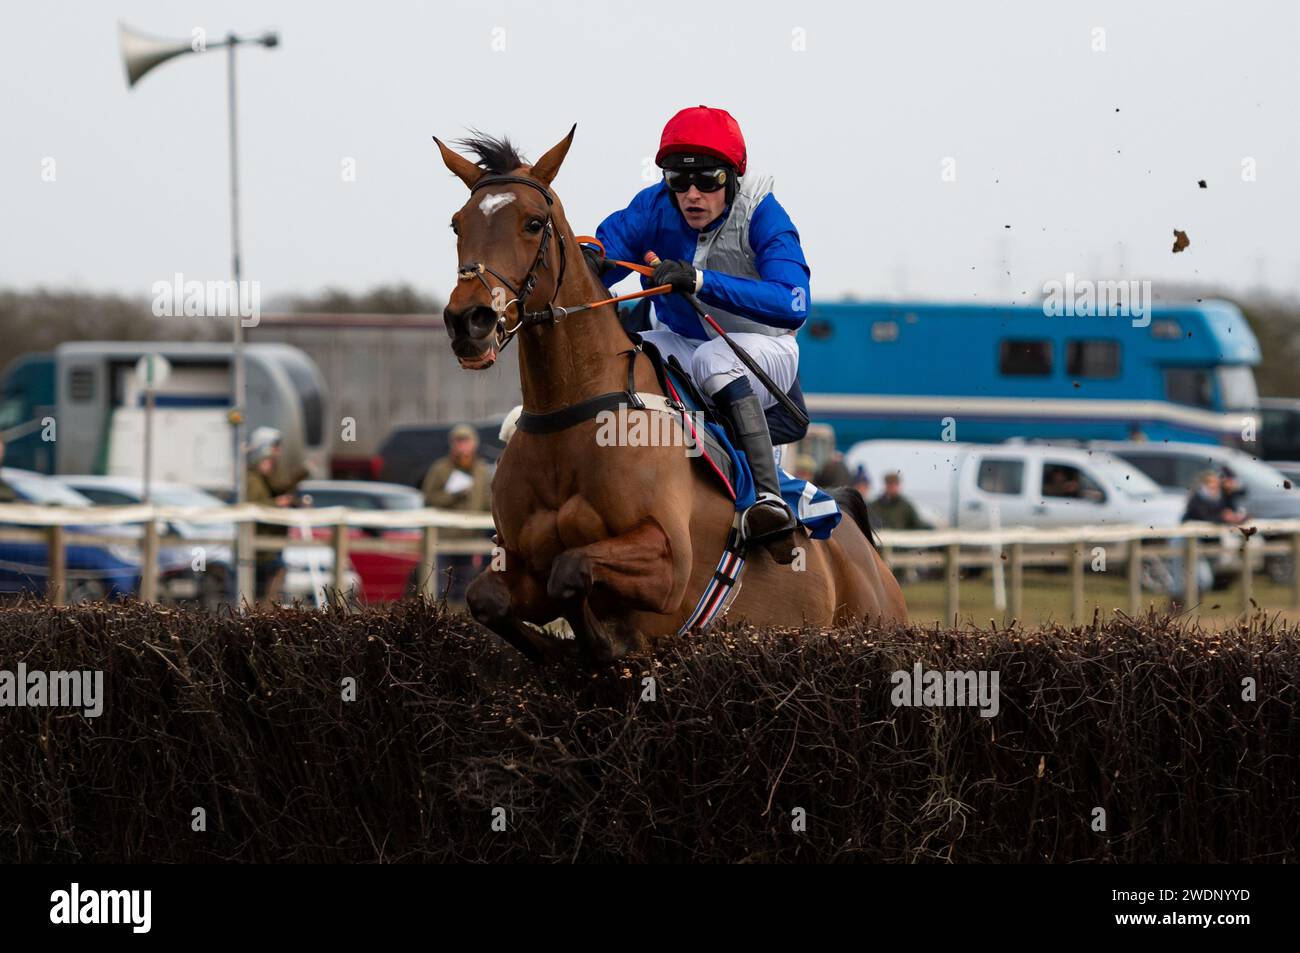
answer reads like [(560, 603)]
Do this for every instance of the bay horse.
[(620, 541)]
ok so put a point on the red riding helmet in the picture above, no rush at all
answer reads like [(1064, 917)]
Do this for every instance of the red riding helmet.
[(704, 131)]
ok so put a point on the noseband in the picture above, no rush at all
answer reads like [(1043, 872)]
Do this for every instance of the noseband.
[(551, 313)]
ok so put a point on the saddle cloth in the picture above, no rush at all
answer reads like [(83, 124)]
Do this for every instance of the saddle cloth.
[(816, 510)]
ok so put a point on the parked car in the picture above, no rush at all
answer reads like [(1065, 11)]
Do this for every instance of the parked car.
[(309, 569), (92, 572), (384, 577), (408, 451), (972, 486), (1290, 470), (1175, 466), (180, 581)]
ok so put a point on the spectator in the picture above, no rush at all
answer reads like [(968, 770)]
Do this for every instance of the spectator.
[(862, 482), (1208, 502), (1233, 492), (265, 487), (894, 510), (461, 482)]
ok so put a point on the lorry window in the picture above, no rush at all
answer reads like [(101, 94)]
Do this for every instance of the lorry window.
[(1001, 476), (1092, 358), (1189, 385), (81, 383), (1237, 388), (1023, 358), (1062, 481)]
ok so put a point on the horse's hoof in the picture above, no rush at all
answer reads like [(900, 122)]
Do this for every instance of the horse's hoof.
[(571, 578)]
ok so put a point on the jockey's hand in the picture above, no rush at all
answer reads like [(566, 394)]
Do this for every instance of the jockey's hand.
[(595, 259), (680, 274)]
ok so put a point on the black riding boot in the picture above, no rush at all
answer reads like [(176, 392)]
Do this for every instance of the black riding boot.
[(768, 522)]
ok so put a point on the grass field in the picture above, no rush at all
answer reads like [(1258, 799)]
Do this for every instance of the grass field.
[(1047, 599)]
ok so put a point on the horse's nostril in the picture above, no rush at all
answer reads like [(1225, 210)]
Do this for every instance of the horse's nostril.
[(480, 321), (474, 322)]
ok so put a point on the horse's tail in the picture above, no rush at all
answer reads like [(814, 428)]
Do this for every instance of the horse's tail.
[(852, 503)]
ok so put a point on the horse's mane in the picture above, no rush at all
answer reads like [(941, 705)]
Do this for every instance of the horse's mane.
[(497, 156)]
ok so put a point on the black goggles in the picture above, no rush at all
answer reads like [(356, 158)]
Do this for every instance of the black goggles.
[(706, 180)]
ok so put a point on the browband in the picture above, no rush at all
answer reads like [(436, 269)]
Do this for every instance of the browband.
[(513, 180)]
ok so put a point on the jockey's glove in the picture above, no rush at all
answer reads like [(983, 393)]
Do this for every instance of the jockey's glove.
[(595, 259), (680, 274)]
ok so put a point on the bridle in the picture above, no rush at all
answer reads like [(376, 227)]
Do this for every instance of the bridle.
[(552, 313), (524, 290)]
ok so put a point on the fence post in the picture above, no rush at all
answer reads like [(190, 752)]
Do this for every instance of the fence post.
[(58, 567), (245, 578), (429, 562), (1134, 571), (1016, 597), (340, 557), (1247, 577), (1295, 570), (149, 564), (951, 593), (1076, 582), (1191, 592)]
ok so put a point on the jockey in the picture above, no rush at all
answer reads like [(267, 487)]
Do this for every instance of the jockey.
[(721, 235)]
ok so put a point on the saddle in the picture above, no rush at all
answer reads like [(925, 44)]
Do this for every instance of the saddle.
[(681, 397), (673, 378)]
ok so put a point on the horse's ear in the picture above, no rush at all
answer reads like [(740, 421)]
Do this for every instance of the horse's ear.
[(548, 166), (463, 169)]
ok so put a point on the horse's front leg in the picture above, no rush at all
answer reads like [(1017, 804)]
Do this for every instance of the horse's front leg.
[(635, 567), (501, 600)]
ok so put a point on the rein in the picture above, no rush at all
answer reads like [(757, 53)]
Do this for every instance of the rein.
[(551, 313)]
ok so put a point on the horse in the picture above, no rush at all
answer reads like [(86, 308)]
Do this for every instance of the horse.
[(619, 541)]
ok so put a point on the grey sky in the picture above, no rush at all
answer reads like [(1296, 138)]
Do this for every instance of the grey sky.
[(855, 128)]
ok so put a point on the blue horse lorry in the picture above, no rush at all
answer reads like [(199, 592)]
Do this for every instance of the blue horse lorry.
[(984, 374)]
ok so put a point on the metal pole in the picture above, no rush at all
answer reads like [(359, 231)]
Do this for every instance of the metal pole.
[(245, 555)]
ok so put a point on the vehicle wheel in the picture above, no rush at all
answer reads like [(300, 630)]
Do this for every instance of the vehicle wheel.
[(1279, 569), (85, 590), (1222, 580)]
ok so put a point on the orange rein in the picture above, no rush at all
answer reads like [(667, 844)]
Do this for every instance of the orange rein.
[(631, 266)]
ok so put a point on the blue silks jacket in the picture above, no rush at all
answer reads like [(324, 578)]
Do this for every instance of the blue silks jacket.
[(652, 222)]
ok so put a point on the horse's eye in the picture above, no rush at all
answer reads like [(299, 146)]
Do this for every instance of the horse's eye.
[(533, 226)]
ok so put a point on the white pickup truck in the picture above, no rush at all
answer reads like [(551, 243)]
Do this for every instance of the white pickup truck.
[(978, 486)]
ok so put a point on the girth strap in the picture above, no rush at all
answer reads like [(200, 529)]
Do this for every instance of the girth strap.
[(589, 409)]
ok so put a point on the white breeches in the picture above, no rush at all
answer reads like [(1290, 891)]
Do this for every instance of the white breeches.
[(713, 365)]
